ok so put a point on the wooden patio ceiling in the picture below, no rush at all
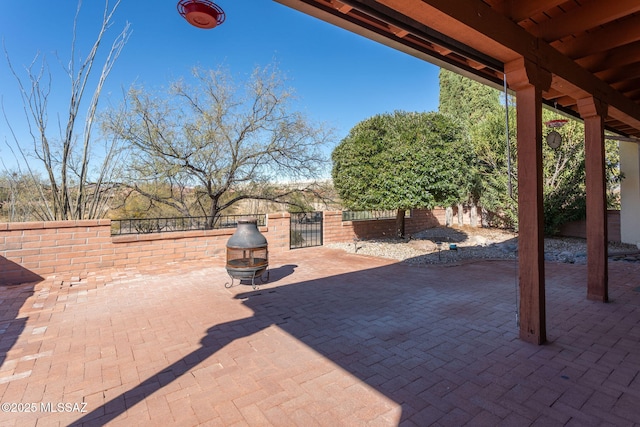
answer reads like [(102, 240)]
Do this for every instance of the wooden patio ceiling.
[(591, 47)]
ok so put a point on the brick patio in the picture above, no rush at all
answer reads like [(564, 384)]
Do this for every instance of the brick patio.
[(332, 339)]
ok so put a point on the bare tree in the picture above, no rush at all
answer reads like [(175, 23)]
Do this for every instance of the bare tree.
[(73, 191), (16, 201), (226, 143)]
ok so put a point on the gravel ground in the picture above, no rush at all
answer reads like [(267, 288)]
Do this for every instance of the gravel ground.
[(453, 245)]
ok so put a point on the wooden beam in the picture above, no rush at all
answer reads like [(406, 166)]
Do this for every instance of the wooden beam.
[(627, 85), (528, 81), (633, 124), (588, 15), (520, 10), (473, 26), (613, 58), (475, 65), (473, 22), (340, 6), (593, 112), (398, 31), (442, 50), (616, 75), (601, 40)]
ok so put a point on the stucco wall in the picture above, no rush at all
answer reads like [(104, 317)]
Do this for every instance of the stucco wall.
[(630, 193)]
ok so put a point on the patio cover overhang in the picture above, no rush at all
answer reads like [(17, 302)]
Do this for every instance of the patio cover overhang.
[(581, 56)]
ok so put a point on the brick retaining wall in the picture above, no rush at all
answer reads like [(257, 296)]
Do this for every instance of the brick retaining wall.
[(579, 228), (336, 230), (31, 251)]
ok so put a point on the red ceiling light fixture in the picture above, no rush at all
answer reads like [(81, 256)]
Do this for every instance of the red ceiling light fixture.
[(201, 13)]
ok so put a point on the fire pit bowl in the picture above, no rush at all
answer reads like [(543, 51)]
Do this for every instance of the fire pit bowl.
[(247, 253)]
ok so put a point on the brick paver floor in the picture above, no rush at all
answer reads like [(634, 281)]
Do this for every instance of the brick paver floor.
[(332, 339)]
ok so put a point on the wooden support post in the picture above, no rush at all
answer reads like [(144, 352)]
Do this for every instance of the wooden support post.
[(529, 81), (593, 112)]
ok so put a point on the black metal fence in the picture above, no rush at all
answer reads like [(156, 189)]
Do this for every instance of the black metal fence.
[(306, 227), (163, 225), (369, 215), (306, 230)]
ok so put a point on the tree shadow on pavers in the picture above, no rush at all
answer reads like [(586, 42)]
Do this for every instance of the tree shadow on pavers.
[(435, 341), (16, 286), (388, 326), (279, 273)]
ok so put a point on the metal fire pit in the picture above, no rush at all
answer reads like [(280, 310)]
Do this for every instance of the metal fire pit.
[(247, 254)]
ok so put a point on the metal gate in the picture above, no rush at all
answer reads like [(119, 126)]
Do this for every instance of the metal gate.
[(306, 230)]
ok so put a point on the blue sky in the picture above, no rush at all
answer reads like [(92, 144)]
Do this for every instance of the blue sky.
[(339, 78)]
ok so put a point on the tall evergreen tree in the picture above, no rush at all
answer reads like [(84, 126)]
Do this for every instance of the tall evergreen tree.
[(466, 99), (481, 111), (402, 161)]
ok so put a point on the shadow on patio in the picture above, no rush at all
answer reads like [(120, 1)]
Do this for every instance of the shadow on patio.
[(439, 342), (17, 287)]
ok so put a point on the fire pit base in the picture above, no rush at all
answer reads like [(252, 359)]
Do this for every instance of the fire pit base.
[(239, 269)]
